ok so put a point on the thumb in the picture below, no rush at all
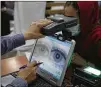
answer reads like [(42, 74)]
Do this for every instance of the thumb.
[(32, 64), (34, 69)]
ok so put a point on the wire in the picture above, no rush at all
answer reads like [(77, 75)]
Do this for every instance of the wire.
[(33, 50)]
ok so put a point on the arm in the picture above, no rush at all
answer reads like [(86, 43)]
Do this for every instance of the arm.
[(25, 76), (28, 74), (8, 42), (18, 82), (33, 32)]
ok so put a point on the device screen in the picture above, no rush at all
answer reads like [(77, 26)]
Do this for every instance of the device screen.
[(92, 70), (53, 54)]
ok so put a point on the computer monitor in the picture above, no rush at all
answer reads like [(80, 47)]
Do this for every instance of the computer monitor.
[(55, 55)]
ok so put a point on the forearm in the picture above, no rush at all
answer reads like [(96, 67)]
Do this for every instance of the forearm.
[(18, 82), (10, 42)]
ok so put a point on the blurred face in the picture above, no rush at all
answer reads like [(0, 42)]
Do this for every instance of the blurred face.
[(70, 11)]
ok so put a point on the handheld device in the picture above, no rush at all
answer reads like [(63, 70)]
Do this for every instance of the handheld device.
[(60, 23)]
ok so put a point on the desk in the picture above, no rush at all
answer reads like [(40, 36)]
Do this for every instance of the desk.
[(12, 64), (12, 60)]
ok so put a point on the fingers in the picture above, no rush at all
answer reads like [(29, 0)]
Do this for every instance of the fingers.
[(32, 64), (34, 69), (34, 72), (39, 36), (34, 31), (45, 21), (42, 22)]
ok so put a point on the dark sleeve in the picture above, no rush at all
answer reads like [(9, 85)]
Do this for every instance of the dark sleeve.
[(18, 82), (99, 48), (10, 42)]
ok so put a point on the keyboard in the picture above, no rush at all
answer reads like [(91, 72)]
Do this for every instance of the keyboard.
[(39, 82)]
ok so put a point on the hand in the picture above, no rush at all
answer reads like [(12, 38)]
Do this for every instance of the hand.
[(29, 73), (33, 32)]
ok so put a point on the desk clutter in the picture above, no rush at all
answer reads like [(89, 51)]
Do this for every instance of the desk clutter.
[(74, 77), (39, 82)]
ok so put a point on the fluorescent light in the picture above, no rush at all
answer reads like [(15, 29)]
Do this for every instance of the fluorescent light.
[(92, 71)]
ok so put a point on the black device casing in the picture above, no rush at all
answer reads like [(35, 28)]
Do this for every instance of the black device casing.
[(82, 79), (60, 23)]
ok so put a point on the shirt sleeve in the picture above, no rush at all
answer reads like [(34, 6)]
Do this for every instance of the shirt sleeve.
[(18, 82), (10, 42)]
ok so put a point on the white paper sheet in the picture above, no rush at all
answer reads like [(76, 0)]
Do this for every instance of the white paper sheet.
[(7, 80)]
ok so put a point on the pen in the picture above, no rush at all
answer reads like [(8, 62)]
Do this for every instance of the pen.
[(38, 64), (24, 66)]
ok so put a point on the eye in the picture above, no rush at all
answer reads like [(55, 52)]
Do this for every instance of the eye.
[(41, 50), (59, 57)]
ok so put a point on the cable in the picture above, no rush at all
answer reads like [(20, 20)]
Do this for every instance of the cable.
[(33, 50)]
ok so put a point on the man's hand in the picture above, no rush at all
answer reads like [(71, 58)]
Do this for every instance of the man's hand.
[(29, 73), (33, 32)]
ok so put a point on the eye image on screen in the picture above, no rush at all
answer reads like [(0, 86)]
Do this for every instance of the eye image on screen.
[(41, 50), (59, 57), (53, 54)]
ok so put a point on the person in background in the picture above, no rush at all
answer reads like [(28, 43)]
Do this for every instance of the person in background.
[(7, 12), (8, 43), (5, 20), (10, 9), (88, 42)]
